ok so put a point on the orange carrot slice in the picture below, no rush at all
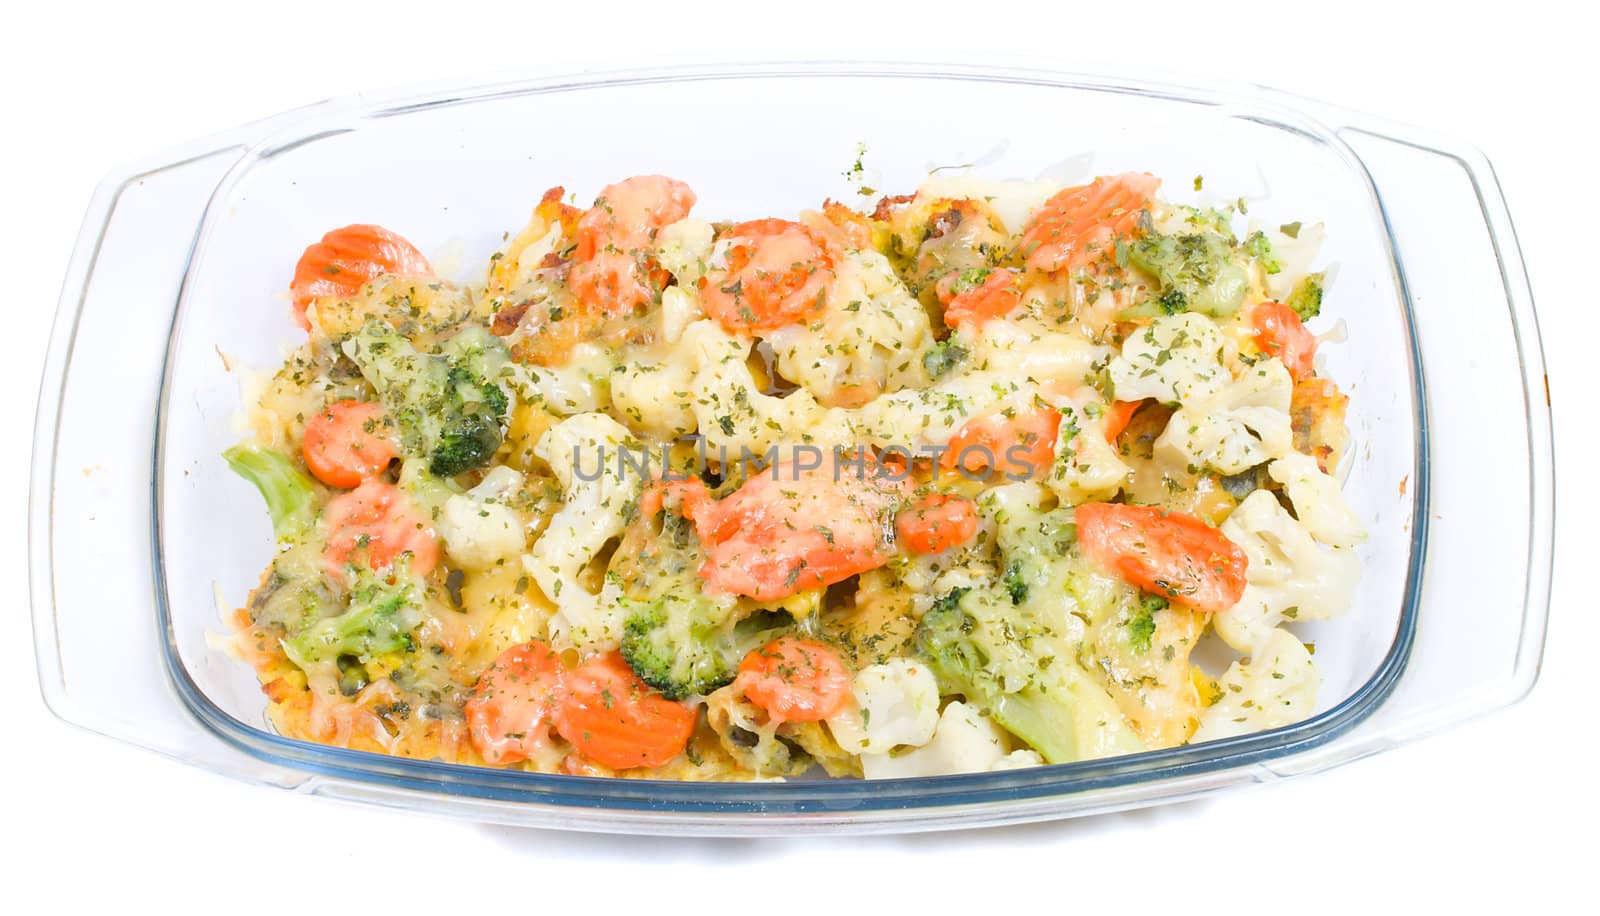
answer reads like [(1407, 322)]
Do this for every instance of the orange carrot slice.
[(795, 679), (773, 273), (1173, 555), (508, 716), (613, 271), (1119, 416), (377, 519), (1081, 224), (975, 296), (937, 523), (346, 443), (785, 531), (616, 720), (347, 259), (1280, 333), (1018, 446)]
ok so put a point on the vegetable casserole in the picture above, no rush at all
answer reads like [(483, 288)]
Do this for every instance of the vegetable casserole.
[(959, 484)]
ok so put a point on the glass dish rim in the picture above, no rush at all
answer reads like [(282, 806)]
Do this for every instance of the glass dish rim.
[(298, 128)]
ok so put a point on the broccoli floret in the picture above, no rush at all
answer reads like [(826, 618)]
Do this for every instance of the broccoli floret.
[(969, 279), (378, 620), (942, 357), (678, 639), (1007, 646), (989, 662), (1033, 544), (1306, 297), (674, 644), (293, 590), (687, 646), (1142, 628), (477, 427), (1195, 272), (290, 494), (448, 405), (1257, 246), (1006, 663), (1169, 302), (1016, 581)]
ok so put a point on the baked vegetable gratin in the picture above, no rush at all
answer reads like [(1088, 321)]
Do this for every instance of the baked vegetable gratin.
[(956, 485)]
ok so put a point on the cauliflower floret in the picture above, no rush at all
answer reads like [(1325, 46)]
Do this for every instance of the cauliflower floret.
[(683, 248), (870, 338), (1178, 358), (933, 415), (655, 397), (1087, 467), (526, 253), (564, 390), (1318, 503), (897, 703), (1243, 425), (966, 741), (1290, 576), (731, 412), (680, 307), (1048, 359), (1275, 687), (478, 528), (582, 451), (1018, 760)]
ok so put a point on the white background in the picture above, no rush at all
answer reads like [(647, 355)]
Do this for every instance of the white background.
[(1499, 812)]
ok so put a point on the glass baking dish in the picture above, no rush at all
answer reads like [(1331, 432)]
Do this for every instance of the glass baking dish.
[(139, 533)]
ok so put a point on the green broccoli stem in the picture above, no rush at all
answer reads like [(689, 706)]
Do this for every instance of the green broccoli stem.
[(428, 490), (1043, 717), (1044, 722), (291, 496)]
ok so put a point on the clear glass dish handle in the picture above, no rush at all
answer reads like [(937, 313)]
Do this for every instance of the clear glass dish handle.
[(1490, 493), (92, 567)]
